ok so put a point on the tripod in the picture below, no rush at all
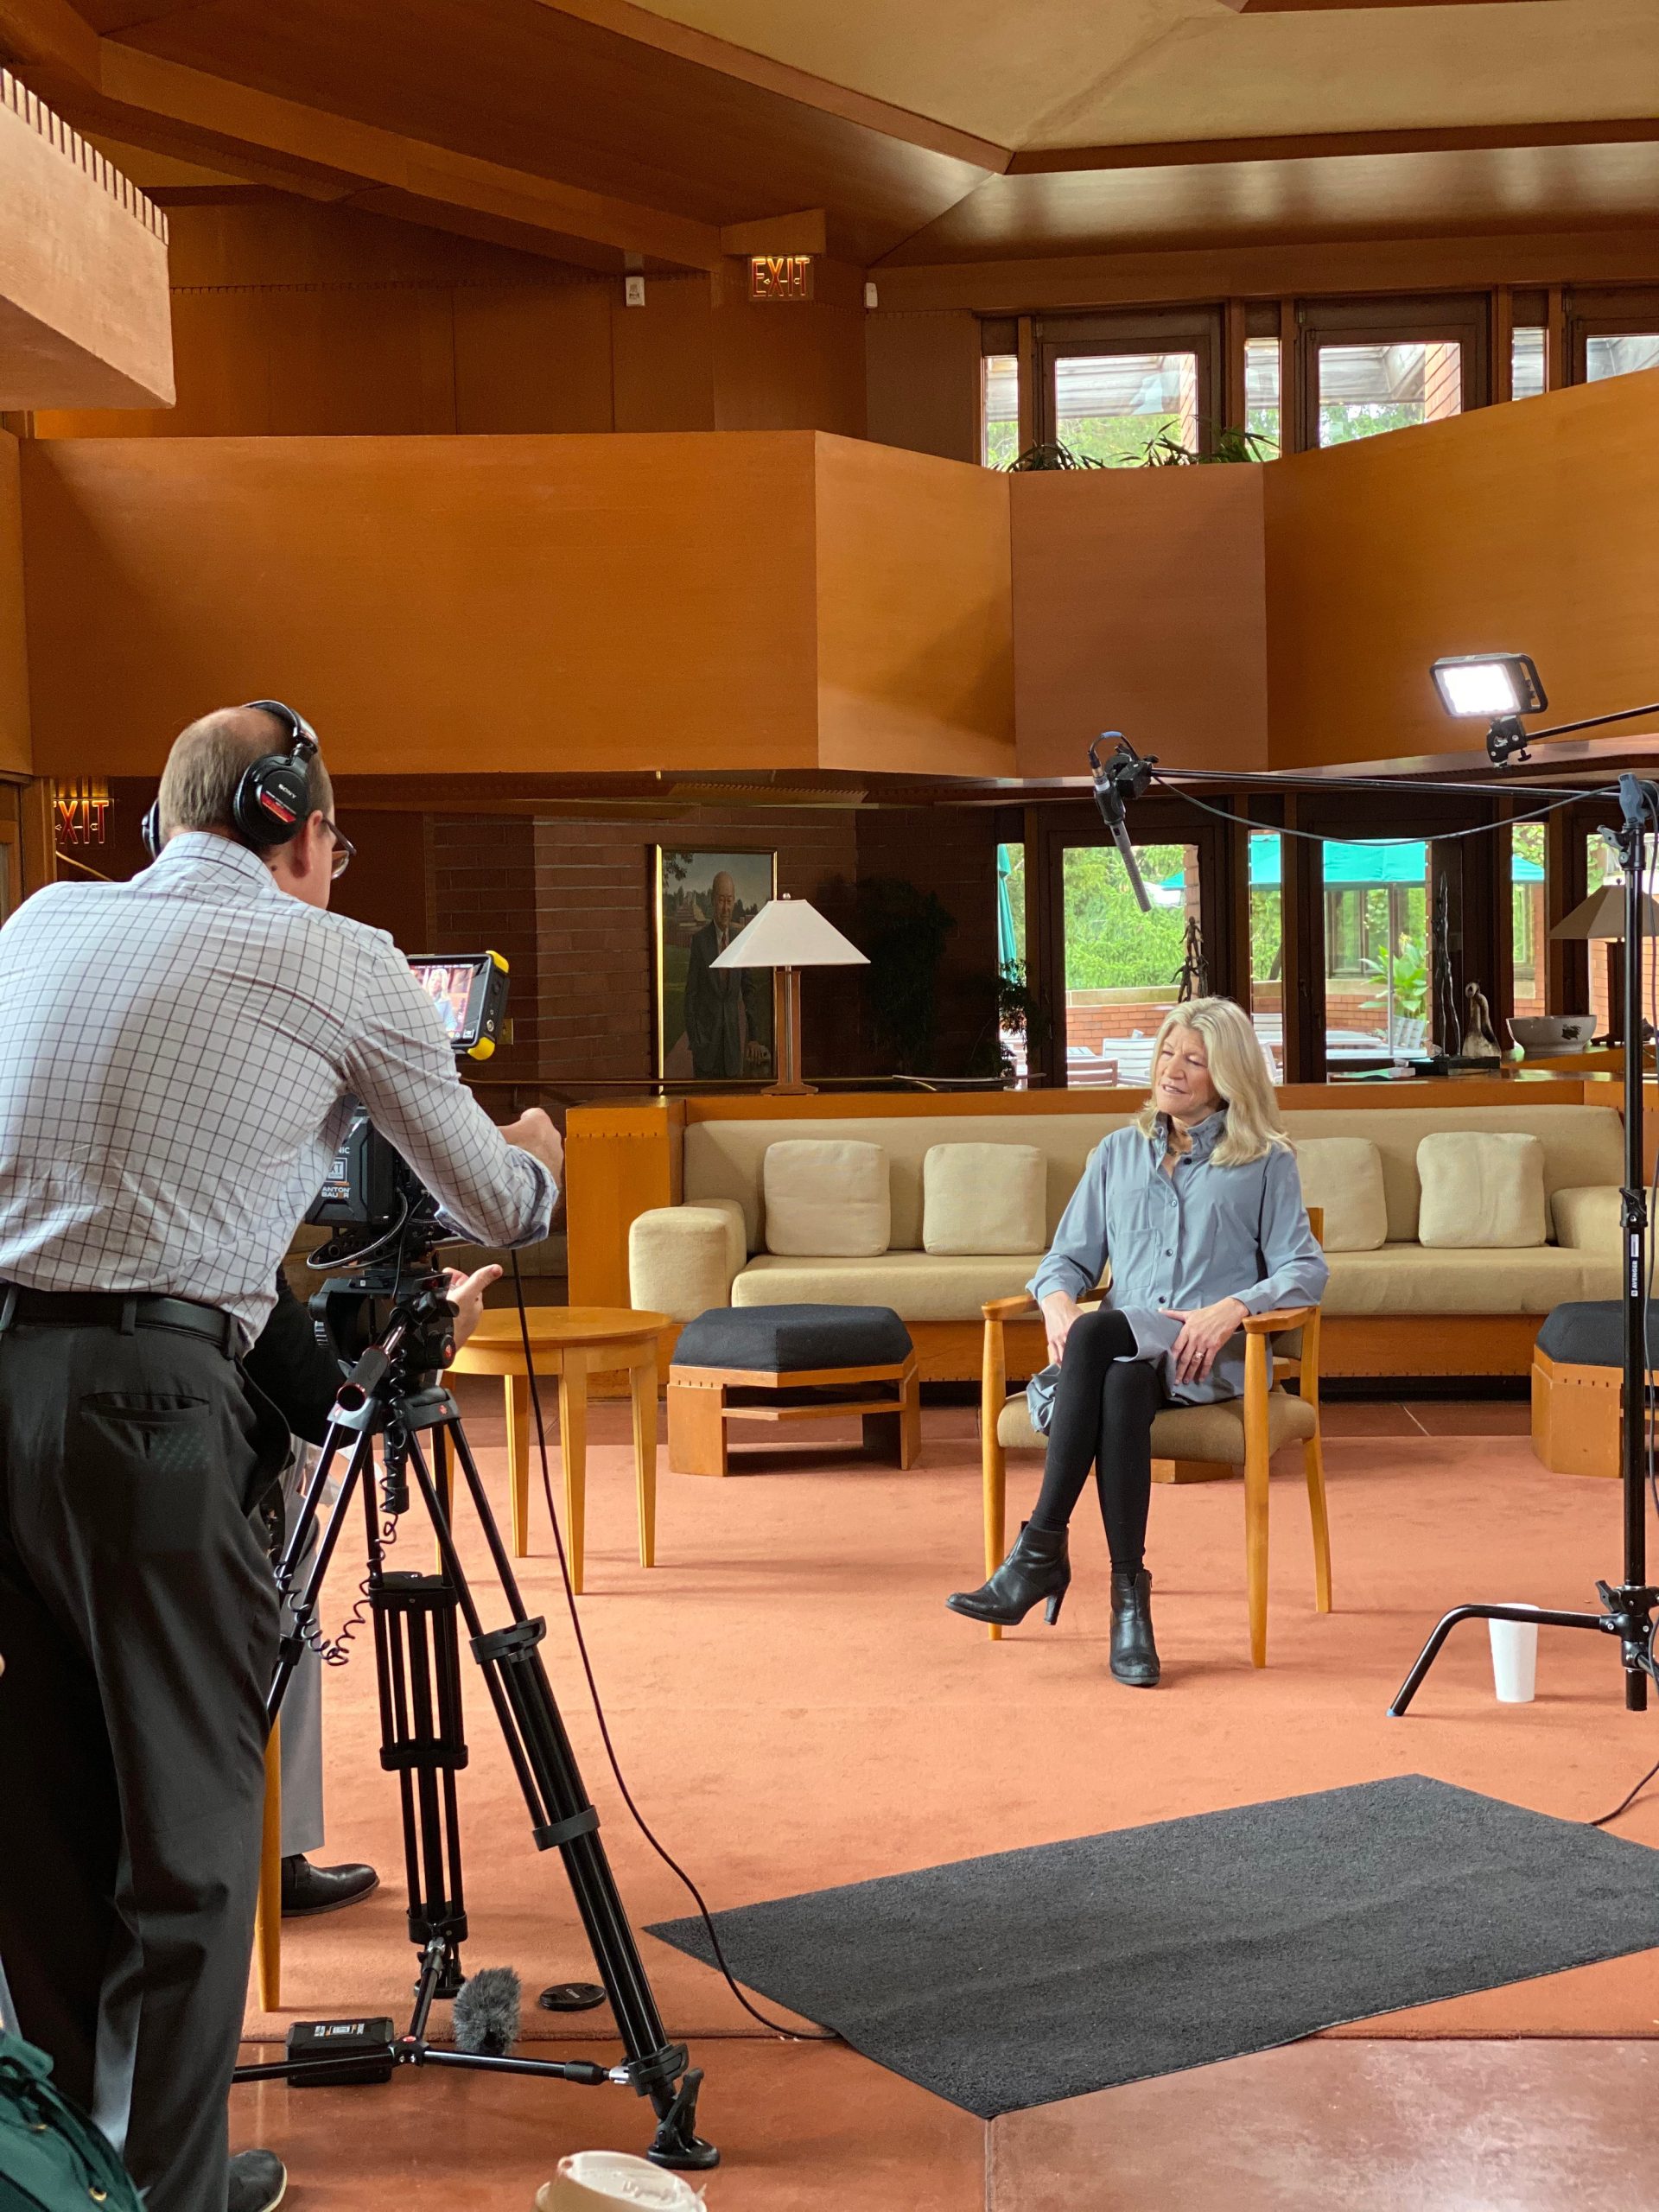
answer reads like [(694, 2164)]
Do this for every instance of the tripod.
[(394, 1392), (1627, 1607)]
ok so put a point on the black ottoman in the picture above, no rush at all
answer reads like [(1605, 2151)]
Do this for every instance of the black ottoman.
[(1578, 1386), (792, 1363)]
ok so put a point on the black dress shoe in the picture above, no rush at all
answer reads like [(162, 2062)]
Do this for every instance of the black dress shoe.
[(258, 2179), (1036, 1571), (1135, 1655), (307, 1889)]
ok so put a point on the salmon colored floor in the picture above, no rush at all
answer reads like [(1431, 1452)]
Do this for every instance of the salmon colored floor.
[(794, 1706)]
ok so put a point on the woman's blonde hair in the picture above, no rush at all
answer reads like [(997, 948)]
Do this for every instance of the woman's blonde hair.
[(1239, 1073)]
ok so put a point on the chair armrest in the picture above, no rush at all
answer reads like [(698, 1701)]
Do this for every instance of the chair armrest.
[(1009, 1309), (1270, 1324)]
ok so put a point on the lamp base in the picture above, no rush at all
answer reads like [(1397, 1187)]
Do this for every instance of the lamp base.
[(789, 1091)]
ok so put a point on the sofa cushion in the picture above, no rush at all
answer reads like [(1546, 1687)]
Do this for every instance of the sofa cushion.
[(789, 1340), (922, 1286), (1409, 1279), (682, 1259), (1481, 1188), (983, 1197), (1588, 1220), (826, 1198), (1213, 1431), (1345, 1176)]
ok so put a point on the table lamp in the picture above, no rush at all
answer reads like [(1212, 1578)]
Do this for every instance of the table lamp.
[(790, 934), (1601, 917)]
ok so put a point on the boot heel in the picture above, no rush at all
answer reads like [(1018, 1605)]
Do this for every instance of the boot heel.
[(1052, 1611)]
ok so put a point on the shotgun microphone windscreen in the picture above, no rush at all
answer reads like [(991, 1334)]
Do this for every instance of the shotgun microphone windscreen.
[(486, 2013)]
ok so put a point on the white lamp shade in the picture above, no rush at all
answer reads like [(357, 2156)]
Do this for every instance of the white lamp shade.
[(1602, 915), (790, 933)]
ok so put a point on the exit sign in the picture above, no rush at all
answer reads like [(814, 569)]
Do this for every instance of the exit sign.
[(780, 275)]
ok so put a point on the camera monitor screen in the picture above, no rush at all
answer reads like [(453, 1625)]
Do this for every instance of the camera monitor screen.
[(469, 991)]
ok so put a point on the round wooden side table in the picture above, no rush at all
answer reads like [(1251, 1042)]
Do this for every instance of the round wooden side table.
[(567, 1343)]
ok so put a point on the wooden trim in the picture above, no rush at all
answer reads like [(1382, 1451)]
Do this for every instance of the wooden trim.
[(1292, 424), (807, 1378), (1308, 269), (1235, 405), (1566, 972), (1025, 383), (40, 846), (1502, 348), (1428, 1344), (1433, 139), (1555, 361), (1576, 1417)]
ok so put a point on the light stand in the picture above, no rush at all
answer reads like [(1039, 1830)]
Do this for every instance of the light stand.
[(1627, 1608)]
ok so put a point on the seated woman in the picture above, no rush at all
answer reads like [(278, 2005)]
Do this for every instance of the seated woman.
[(1197, 1207)]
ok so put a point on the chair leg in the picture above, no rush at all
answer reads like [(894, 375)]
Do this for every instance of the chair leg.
[(268, 1913), (1313, 1461), (910, 1416), (1257, 1453), (993, 1476)]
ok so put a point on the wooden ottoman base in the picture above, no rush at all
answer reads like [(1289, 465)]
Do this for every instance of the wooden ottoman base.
[(703, 1401), (1575, 1416)]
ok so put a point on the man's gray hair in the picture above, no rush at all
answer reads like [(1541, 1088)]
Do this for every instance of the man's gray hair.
[(209, 759)]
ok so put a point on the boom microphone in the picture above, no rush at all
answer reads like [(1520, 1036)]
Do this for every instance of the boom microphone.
[(1120, 780), (485, 2015)]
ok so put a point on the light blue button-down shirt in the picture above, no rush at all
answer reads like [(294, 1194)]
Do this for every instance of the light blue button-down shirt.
[(1180, 1241)]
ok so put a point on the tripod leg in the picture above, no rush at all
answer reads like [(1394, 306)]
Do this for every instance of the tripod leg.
[(417, 1660), (303, 1611), (562, 1818)]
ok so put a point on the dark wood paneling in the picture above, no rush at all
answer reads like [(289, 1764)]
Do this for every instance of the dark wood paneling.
[(923, 374)]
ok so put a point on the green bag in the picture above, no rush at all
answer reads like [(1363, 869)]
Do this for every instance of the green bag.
[(52, 2158)]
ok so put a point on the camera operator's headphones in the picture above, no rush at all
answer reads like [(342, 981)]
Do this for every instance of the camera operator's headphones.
[(273, 798)]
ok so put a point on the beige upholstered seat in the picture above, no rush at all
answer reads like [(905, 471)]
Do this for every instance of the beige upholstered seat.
[(1236, 1433), (1214, 1433)]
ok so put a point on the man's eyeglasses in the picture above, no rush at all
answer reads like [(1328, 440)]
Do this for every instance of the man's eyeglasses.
[(345, 850)]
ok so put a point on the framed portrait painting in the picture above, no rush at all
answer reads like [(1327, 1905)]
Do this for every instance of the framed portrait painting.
[(713, 1024)]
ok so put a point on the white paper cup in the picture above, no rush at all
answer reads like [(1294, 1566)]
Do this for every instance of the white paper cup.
[(1514, 1660), (600, 2181)]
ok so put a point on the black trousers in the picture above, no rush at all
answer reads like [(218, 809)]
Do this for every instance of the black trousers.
[(1104, 1407), (138, 1628)]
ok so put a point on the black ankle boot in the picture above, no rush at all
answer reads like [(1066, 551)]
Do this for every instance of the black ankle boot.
[(1135, 1655), (1036, 1568)]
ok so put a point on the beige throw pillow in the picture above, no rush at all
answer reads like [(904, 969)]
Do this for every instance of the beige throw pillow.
[(1345, 1176), (984, 1197), (826, 1199), (1481, 1187)]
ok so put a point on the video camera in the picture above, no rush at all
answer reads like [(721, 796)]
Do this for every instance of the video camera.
[(386, 1223)]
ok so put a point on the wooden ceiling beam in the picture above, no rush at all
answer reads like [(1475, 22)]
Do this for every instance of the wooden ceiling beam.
[(1433, 139), (1349, 7), (121, 89)]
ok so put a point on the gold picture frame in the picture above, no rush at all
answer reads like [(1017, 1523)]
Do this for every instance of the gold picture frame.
[(730, 1034)]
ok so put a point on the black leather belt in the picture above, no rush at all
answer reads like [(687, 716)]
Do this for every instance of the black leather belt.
[(115, 1309)]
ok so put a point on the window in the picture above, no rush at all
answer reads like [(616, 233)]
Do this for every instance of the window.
[(1121, 966), (1264, 398), (1268, 946), (1366, 389), (1376, 948), (1527, 917), (1011, 958), (1109, 407), (999, 410), (1527, 371), (1618, 357)]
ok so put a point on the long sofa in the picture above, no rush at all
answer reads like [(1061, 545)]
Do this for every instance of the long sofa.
[(1401, 1307)]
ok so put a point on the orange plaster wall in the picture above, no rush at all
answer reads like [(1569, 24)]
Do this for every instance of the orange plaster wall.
[(915, 620), (1139, 604), (13, 665), (453, 604), (1532, 527)]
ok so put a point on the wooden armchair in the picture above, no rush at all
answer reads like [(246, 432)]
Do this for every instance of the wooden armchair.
[(1238, 1431)]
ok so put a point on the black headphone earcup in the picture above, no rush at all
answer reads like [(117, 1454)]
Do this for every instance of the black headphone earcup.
[(272, 800), (150, 829)]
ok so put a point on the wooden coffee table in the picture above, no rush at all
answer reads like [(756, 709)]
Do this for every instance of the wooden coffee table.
[(568, 1344)]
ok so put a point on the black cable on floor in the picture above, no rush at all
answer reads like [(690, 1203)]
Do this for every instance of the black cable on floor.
[(775, 2027)]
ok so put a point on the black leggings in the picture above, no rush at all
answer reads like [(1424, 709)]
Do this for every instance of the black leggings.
[(1103, 1409)]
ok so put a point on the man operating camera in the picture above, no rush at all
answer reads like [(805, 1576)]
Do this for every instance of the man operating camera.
[(176, 1059)]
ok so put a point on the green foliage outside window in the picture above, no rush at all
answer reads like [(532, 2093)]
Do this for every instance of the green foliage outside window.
[(1110, 944), (1342, 421)]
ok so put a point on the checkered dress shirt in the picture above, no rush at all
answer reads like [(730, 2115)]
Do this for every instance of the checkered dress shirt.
[(178, 1057)]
